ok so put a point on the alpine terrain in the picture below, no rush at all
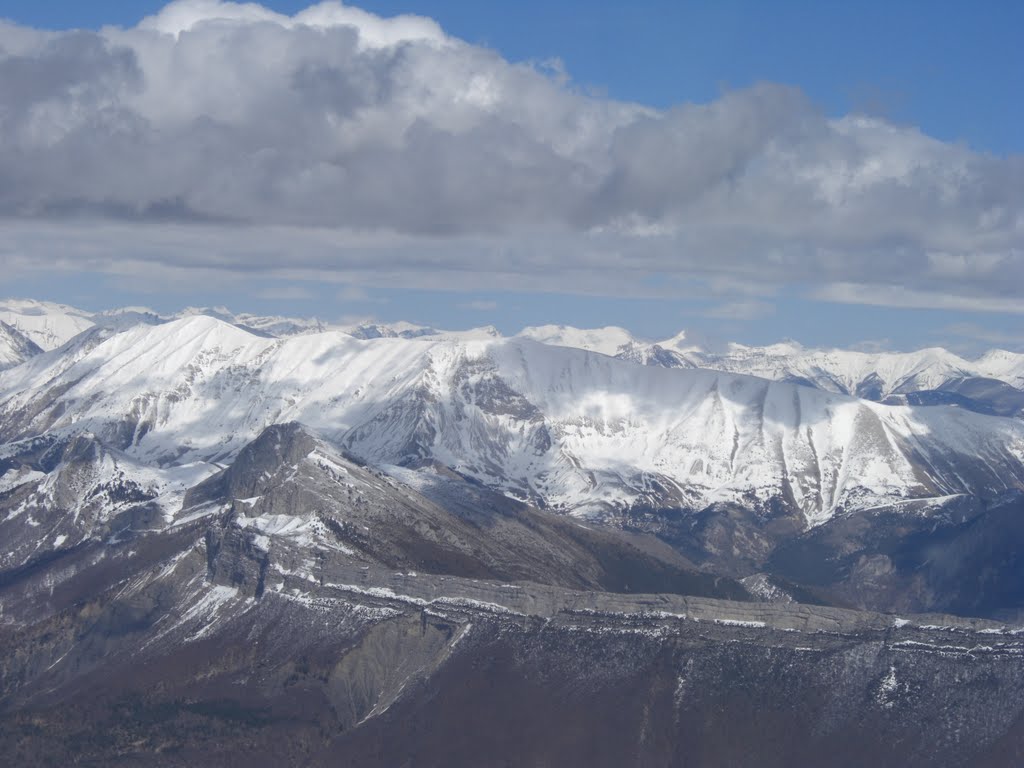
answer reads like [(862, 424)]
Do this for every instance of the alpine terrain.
[(243, 540)]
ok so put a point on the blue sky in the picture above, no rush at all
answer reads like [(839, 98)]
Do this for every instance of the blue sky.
[(951, 68), (940, 70)]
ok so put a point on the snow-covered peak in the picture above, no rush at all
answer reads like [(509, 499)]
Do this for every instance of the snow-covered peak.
[(399, 330), (681, 342), (403, 330), (1003, 365), (874, 375), (47, 324), (786, 348), (483, 333), (269, 325), (608, 340), (577, 430)]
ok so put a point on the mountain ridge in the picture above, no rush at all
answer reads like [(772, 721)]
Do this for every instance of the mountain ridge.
[(221, 545), (552, 424), (874, 375)]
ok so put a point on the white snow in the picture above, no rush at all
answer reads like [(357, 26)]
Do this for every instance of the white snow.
[(840, 370), (47, 324), (887, 689), (740, 623), (582, 431), (606, 341), (14, 478), (205, 610)]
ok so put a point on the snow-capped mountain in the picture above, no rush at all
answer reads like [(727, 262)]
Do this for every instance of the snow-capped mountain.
[(268, 325), (873, 375), (610, 340), (924, 376), (577, 430), (209, 532), (1003, 365), (896, 377), (298, 596), (50, 325), (45, 323), (15, 347)]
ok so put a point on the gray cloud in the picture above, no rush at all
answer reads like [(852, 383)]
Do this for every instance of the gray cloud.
[(336, 142)]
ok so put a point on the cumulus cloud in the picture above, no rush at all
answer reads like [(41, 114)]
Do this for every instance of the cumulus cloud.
[(336, 143)]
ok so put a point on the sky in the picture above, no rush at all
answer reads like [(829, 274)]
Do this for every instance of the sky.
[(838, 174)]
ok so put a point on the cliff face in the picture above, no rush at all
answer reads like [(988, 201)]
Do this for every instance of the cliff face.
[(193, 668), (333, 615)]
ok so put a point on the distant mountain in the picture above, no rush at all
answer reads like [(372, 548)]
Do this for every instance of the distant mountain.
[(992, 384), (562, 427), (610, 340), (15, 347), (46, 324)]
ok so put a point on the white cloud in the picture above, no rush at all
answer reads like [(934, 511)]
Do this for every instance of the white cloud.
[(899, 296), (740, 310), (284, 293), (873, 345), (337, 145), (976, 332), (374, 32), (357, 294)]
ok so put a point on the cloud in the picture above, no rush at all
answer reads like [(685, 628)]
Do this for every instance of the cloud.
[(358, 294), (740, 310), (909, 298), (284, 293), (975, 332), (873, 345), (338, 145)]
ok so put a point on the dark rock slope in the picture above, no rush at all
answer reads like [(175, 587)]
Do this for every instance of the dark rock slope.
[(302, 609)]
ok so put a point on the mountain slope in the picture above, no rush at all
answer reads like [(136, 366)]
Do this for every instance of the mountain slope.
[(45, 323), (933, 375), (580, 431), (293, 490), (992, 384), (608, 340), (287, 627), (189, 576), (15, 347)]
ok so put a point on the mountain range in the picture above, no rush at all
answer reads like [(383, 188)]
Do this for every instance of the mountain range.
[(991, 383), (231, 537)]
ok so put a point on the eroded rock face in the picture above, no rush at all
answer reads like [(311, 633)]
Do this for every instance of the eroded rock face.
[(298, 606), (963, 557), (178, 668)]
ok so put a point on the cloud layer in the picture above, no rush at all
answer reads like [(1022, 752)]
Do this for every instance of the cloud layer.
[(336, 142)]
